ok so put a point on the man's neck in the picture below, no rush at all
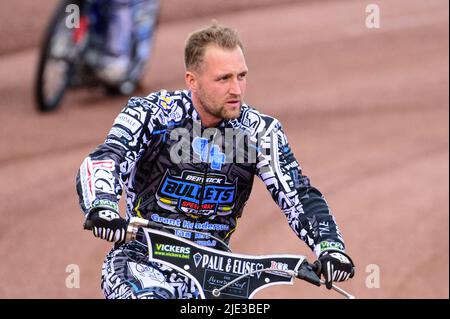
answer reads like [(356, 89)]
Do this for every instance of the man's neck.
[(207, 120)]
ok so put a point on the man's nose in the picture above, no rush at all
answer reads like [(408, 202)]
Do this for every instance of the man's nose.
[(235, 87)]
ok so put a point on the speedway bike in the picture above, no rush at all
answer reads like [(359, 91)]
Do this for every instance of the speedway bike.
[(222, 274), (67, 59)]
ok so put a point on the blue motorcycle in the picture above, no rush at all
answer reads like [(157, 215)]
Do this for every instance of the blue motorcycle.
[(76, 30)]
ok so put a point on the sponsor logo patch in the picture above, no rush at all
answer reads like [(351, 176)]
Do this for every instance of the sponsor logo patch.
[(184, 193), (172, 251), (210, 154), (128, 122), (330, 245)]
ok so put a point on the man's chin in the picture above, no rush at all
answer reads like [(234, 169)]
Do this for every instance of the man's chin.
[(231, 114)]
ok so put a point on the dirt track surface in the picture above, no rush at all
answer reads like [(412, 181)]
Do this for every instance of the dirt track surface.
[(365, 111)]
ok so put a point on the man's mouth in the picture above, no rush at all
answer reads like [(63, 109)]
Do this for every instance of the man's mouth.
[(234, 103)]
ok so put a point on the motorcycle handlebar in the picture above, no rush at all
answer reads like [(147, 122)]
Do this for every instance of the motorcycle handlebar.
[(136, 222), (307, 271)]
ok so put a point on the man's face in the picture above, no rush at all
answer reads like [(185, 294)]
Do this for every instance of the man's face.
[(218, 86)]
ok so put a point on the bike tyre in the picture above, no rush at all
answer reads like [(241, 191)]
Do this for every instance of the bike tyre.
[(44, 102)]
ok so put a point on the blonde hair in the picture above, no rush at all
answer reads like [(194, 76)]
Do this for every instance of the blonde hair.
[(223, 37)]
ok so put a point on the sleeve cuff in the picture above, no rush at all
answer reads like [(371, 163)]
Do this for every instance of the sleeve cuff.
[(99, 204), (328, 245)]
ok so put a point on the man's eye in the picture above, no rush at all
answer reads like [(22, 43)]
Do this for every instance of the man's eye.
[(242, 75)]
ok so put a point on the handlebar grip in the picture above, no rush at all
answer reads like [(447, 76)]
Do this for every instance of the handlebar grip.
[(136, 221), (317, 267), (88, 224), (352, 273), (308, 273)]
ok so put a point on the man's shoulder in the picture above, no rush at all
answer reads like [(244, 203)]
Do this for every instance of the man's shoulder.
[(256, 121), (163, 104), (166, 100), (160, 100)]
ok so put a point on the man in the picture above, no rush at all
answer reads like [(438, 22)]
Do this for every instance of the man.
[(174, 154)]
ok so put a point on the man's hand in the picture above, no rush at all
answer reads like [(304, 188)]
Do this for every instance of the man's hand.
[(108, 225), (335, 266)]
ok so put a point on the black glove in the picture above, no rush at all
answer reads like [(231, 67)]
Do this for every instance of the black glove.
[(108, 225), (335, 266)]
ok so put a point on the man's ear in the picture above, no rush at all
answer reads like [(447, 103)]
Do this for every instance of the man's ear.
[(191, 80)]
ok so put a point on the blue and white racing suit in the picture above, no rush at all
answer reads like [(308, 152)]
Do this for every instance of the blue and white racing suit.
[(124, 20), (175, 172)]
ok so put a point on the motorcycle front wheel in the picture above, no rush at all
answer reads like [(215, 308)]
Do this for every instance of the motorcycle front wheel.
[(63, 45)]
